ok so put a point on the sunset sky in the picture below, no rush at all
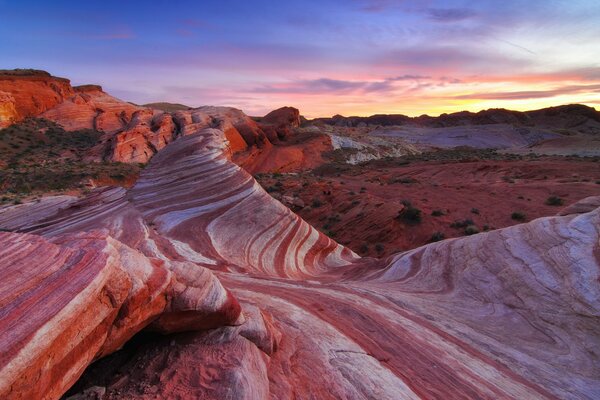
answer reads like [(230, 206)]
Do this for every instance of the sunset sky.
[(352, 57)]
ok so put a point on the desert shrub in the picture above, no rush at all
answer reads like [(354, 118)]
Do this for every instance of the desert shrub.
[(471, 230), (437, 236), (437, 213), (316, 203), (462, 223), (118, 177), (486, 228), (364, 248), (330, 233), (404, 180), (334, 218), (410, 214), (379, 248), (475, 211), (554, 201), (518, 216)]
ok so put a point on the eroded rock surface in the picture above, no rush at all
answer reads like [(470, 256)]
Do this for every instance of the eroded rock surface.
[(67, 302), (27, 93), (263, 305)]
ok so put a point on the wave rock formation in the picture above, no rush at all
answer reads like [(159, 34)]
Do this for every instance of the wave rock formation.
[(274, 309)]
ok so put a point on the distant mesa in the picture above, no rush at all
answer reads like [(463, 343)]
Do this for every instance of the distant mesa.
[(565, 116)]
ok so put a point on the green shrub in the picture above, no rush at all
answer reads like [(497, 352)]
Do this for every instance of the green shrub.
[(316, 203), (437, 236), (462, 224), (518, 216), (437, 213), (554, 201), (410, 214), (471, 230)]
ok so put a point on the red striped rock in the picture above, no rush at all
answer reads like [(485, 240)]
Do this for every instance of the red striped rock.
[(68, 302), (92, 109), (508, 314)]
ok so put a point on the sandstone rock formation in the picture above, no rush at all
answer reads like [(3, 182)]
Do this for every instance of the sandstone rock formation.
[(8, 112), (69, 301), (278, 123), (31, 92), (511, 314)]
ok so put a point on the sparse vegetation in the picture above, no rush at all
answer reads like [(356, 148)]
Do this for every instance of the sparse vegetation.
[(554, 201), (471, 230), (39, 156), (462, 223), (316, 203), (409, 213), (437, 213), (437, 236), (518, 216), (364, 248)]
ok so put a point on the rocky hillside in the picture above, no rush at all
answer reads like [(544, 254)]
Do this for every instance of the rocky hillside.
[(577, 117), (26, 93)]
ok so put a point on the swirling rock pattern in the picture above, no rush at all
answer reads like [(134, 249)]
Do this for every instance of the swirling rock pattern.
[(509, 314), (66, 302)]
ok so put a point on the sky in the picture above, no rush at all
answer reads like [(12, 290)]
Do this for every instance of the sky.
[(325, 57)]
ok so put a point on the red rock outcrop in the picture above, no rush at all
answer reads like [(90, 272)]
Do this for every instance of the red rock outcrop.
[(511, 314), (32, 93), (278, 124), (8, 112), (91, 108), (79, 297)]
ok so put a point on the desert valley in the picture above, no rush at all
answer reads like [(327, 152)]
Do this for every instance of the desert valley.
[(300, 200), (163, 251)]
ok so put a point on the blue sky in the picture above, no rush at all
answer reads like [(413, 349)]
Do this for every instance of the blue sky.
[(325, 57)]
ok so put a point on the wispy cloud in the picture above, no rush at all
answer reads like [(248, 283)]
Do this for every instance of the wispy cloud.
[(376, 6), (531, 94), (320, 86), (450, 14)]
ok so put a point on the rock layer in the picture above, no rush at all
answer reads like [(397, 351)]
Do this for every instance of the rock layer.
[(510, 314), (30, 92), (79, 297)]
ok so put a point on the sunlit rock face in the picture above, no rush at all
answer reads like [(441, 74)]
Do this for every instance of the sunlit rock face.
[(278, 123), (30, 92), (258, 304), (8, 112)]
